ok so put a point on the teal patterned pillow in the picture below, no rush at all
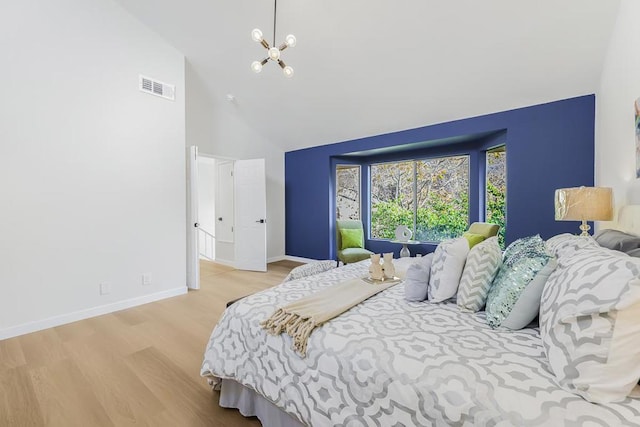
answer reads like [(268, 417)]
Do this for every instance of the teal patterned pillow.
[(522, 261)]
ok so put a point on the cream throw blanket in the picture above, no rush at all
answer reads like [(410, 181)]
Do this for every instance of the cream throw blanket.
[(299, 318)]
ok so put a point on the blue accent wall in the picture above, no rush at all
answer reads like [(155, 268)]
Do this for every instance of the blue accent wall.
[(549, 146)]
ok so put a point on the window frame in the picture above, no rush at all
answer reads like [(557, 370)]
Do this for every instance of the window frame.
[(414, 161)]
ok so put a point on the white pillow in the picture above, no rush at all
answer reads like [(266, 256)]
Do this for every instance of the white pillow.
[(446, 269), (416, 281), (589, 322), (482, 264)]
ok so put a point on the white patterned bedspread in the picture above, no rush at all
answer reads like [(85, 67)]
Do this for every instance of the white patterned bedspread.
[(389, 362)]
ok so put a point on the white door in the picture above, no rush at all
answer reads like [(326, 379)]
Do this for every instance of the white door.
[(193, 263), (251, 215)]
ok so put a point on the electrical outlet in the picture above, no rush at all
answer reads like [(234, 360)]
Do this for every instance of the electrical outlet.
[(146, 279), (105, 288)]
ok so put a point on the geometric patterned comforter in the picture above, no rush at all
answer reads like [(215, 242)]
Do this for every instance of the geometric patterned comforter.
[(389, 362)]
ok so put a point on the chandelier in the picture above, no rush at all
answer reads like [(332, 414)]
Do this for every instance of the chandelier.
[(273, 52)]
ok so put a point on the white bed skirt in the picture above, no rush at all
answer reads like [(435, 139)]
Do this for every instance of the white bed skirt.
[(251, 404)]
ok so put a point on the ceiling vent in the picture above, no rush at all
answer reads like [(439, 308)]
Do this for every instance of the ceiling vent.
[(156, 87)]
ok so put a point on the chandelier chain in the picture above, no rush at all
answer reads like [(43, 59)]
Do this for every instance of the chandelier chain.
[(275, 12)]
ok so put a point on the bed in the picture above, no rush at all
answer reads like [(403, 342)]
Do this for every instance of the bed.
[(389, 362)]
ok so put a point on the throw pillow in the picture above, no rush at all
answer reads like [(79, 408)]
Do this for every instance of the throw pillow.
[(617, 240), (567, 244), (446, 268), (634, 253), (481, 267), (416, 280), (526, 308), (589, 323), (305, 270), (522, 261), (473, 238), (351, 238)]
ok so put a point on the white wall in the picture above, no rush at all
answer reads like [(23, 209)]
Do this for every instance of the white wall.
[(619, 88), (92, 171), (214, 125), (207, 193)]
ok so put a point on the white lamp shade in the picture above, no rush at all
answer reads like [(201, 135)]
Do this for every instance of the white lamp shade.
[(584, 204)]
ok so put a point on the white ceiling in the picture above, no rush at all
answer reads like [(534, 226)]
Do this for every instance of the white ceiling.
[(365, 67)]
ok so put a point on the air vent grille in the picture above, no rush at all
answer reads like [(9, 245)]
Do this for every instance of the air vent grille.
[(156, 87)]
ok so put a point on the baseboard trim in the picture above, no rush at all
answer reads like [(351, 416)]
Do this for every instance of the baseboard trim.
[(276, 259), (50, 322)]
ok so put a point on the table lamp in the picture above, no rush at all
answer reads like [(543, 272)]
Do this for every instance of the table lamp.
[(584, 204)]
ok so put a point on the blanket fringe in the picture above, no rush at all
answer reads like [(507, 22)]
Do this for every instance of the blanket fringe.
[(295, 326)]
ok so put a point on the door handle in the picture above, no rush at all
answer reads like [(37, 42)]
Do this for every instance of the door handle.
[(196, 225), (261, 221), (219, 218)]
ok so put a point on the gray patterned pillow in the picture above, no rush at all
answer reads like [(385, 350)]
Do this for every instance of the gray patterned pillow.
[(589, 323), (482, 264), (568, 243), (310, 269), (522, 261), (446, 268)]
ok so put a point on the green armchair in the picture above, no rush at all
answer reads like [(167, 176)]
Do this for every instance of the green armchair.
[(354, 250)]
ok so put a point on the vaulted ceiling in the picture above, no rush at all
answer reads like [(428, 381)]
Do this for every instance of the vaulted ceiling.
[(366, 67)]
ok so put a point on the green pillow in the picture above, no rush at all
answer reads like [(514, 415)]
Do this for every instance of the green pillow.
[(473, 238), (351, 238)]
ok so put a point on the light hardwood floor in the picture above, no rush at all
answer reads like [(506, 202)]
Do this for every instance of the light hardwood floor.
[(134, 367)]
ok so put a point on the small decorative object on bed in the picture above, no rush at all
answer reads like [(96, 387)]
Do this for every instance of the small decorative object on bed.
[(388, 268), (375, 269)]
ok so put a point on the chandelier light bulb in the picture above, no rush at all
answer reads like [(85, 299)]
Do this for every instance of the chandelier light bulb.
[(256, 66), (256, 35), (288, 71), (274, 53), (290, 40)]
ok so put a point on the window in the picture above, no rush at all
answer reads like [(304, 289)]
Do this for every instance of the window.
[(348, 192), (429, 196), (496, 191)]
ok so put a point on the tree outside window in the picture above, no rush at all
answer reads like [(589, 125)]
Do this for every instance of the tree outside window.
[(496, 191), (348, 192), (429, 196)]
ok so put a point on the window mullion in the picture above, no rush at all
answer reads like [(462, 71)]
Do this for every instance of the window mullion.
[(415, 198)]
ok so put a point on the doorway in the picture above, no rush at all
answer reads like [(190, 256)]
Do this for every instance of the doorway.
[(215, 219)]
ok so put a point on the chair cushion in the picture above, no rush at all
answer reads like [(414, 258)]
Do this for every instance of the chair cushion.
[(351, 255), (352, 238)]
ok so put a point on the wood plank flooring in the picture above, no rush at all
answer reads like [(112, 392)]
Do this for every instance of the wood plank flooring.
[(134, 367)]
